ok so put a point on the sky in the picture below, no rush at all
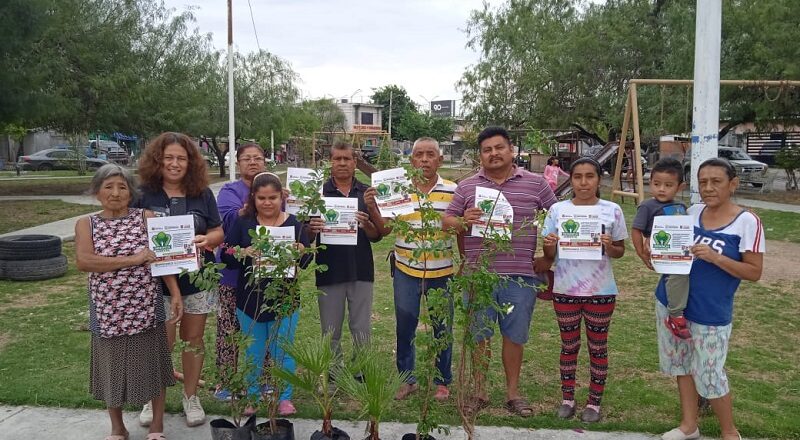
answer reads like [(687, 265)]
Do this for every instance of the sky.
[(345, 48)]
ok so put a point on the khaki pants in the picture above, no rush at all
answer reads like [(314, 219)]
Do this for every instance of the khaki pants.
[(358, 297)]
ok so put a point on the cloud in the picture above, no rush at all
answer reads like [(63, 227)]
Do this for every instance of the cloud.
[(339, 46)]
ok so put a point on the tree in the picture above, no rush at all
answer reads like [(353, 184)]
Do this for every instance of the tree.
[(414, 125), (401, 105), (553, 63), (327, 113)]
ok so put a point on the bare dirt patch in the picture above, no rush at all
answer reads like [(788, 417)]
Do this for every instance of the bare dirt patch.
[(780, 261)]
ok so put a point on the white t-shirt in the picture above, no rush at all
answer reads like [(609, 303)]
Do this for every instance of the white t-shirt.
[(587, 277)]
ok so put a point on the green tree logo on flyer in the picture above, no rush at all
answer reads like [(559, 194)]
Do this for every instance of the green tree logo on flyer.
[(661, 240), (383, 190), (486, 206), (162, 242), (570, 228), (331, 216)]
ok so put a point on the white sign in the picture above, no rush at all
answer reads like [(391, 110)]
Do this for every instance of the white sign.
[(341, 226), (579, 230), (301, 176), (392, 198), (670, 244), (263, 266), (171, 240), (498, 215)]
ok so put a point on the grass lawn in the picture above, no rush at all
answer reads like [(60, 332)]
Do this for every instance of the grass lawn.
[(16, 215), (44, 354)]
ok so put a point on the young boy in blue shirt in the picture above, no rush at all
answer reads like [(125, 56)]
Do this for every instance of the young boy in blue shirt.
[(666, 179)]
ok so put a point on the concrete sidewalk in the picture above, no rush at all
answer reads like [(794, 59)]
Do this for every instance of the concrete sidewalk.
[(25, 422)]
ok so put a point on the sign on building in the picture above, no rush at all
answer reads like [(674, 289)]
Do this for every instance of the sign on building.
[(443, 108)]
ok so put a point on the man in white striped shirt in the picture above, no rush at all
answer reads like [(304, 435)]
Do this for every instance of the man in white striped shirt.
[(431, 270)]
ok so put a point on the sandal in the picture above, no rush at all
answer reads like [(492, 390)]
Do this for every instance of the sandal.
[(520, 407), (117, 437), (475, 406), (156, 436)]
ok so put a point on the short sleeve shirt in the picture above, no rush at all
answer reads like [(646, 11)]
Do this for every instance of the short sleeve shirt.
[(527, 193), (652, 208), (587, 277), (202, 207), (711, 289)]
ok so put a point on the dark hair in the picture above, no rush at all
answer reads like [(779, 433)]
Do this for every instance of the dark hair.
[(341, 146), (551, 159), (721, 163), (260, 181), (588, 161), (244, 147), (668, 165), (151, 164), (489, 132)]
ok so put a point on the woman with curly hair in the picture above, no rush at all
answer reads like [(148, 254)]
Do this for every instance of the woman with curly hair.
[(174, 181)]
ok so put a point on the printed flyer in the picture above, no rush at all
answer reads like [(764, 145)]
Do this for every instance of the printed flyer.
[(392, 199), (670, 244), (280, 234), (341, 226), (579, 230), (498, 215), (296, 177), (171, 240)]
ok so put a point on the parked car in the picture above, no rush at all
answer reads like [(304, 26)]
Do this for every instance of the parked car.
[(56, 159), (110, 149), (746, 167), (370, 153), (469, 158)]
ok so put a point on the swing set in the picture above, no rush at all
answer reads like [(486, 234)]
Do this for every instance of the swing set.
[(630, 121)]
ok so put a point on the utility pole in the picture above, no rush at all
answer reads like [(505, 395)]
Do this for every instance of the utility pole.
[(272, 145), (231, 124), (391, 95), (705, 106)]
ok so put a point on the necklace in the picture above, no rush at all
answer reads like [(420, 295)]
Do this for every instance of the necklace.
[(267, 222)]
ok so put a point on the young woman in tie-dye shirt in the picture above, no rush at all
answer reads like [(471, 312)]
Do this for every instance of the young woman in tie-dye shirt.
[(585, 289)]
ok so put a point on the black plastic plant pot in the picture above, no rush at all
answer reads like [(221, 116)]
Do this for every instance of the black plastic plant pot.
[(222, 429), (284, 428), (413, 436), (338, 434)]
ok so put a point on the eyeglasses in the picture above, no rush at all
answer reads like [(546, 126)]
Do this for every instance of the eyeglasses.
[(251, 159)]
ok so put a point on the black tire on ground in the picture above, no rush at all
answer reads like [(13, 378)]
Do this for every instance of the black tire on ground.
[(29, 247), (44, 167), (34, 270)]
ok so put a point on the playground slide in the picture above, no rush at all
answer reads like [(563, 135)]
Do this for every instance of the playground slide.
[(604, 155)]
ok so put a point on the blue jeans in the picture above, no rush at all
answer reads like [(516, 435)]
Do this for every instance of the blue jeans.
[(407, 295), (260, 332)]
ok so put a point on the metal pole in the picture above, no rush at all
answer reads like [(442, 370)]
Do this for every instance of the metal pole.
[(272, 145), (705, 107), (391, 95), (231, 124)]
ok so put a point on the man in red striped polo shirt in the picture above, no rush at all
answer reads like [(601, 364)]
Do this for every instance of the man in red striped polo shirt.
[(527, 193)]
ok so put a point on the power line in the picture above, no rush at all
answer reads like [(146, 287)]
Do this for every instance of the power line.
[(253, 20)]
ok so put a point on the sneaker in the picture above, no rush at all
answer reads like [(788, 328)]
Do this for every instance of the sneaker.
[(405, 390), (566, 411), (286, 408), (677, 434), (590, 415), (442, 393), (194, 411), (679, 327), (146, 416), (223, 395)]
